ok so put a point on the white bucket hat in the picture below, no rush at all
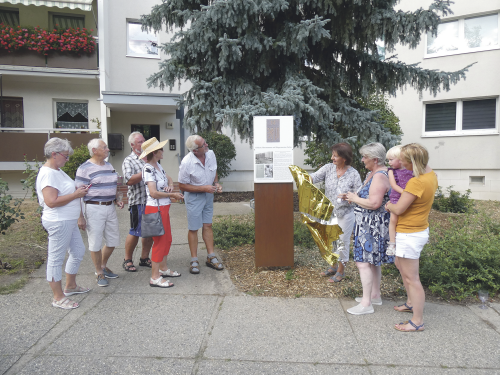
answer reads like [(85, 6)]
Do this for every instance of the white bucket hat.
[(151, 145)]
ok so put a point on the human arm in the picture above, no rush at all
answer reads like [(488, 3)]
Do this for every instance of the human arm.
[(198, 189), (129, 176), (161, 194), (404, 202), (170, 187), (379, 186), (216, 183), (393, 183), (53, 200), (320, 174)]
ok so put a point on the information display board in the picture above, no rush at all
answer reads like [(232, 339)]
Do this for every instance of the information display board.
[(273, 148)]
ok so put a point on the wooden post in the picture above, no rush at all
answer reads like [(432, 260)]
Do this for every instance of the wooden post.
[(273, 224)]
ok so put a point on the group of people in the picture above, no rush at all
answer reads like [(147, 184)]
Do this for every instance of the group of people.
[(388, 215), (88, 203)]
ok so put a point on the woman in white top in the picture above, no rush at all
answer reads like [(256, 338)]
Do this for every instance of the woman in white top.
[(159, 189), (61, 217)]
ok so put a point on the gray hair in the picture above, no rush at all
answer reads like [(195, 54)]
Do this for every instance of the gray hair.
[(57, 145), (131, 137), (191, 142), (93, 143), (374, 150)]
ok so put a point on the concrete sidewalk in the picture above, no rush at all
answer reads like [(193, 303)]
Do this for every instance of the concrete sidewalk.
[(205, 326)]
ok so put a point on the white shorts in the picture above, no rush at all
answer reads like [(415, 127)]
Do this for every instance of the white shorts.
[(102, 223), (410, 245)]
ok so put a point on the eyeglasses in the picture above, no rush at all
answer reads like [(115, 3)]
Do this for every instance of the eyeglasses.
[(204, 144), (64, 156)]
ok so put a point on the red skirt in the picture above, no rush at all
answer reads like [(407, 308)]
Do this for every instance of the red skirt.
[(161, 244)]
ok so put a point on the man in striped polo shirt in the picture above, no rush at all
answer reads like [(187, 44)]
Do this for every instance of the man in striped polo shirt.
[(101, 221)]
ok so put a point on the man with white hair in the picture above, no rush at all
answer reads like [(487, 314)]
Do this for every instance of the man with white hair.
[(199, 180), (101, 221), (132, 173)]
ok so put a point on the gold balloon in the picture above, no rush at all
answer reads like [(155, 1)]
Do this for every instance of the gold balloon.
[(316, 210)]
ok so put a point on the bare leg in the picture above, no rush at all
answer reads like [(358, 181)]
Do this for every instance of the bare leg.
[(193, 242), (97, 260), (147, 244), (208, 237), (130, 245), (392, 227), (106, 253), (397, 262), (366, 276), (376, 278), (57, 289), (409, 269), (70, 281), (155, 273)]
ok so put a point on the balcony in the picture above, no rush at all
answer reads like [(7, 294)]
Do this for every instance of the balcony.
[(19, 142), (53, 60)]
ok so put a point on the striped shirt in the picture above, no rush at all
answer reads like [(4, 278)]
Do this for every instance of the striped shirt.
[(103, 179), (193, 172), (136, 193)]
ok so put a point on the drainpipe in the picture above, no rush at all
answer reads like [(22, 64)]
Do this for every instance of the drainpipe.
[(179, 115)]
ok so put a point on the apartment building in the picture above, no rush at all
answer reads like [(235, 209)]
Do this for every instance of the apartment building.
[(460, 127)]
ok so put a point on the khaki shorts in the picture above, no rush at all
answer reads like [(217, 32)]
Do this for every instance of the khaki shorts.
[(102, 224)]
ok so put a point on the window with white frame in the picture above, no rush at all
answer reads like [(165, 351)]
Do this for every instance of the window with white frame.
[(462, 117), (464, 35), (72, 115), (141, 43)]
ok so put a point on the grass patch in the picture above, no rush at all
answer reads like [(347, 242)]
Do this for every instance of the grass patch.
[(14, 286)]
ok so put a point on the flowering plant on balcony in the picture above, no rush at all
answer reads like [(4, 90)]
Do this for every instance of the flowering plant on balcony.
[(43, 41)]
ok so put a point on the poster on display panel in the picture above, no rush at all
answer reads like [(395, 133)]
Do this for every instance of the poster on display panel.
[(273, 148)]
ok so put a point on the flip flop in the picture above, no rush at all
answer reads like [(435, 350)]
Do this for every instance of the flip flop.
[(407, 309), (337, 278), (77, 290), (419, 328), (330, 271)]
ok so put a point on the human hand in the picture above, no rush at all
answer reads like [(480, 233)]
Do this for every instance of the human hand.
[(387, 207), (177, 196), (168, 189), (342, 196), (82, 224), (219, 188), (209, 189), (350, 196), (81, 191), (120, 204)]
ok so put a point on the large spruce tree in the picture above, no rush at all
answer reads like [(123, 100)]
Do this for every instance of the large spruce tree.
[(306, 58)]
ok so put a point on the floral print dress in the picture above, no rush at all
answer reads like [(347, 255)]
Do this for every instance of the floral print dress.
[(371, 230)]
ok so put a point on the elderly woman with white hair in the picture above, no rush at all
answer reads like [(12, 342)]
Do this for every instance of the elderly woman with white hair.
[(60, 200), (371, 228)]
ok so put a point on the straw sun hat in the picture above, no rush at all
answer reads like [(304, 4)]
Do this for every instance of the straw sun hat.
[(151, 145)]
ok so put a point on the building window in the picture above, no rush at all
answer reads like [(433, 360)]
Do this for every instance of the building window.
[(464, 35), (141, 43), (9, 16), (12, 114), (65, 21), (463, 117), (71, 115)]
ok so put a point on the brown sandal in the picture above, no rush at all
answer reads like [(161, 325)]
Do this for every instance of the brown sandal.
[(194, 269), (215, 265)]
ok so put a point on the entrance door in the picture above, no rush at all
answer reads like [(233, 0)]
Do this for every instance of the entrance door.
[(148, 131)]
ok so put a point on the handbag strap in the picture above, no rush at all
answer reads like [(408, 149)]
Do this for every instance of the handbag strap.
[(156, 182)]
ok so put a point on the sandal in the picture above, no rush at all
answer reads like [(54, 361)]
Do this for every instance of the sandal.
[(77, 290), (337, 278), (330, 271), (169, 273), (214, 263), (160, 283), (195, 267), (130, 267), (65, 304), (419, 328), (406, 309), (146, 262)]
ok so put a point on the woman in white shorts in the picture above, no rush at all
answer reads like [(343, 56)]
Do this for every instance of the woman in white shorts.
[(412, 230)]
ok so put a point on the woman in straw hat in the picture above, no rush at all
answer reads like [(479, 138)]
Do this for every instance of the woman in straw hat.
[(159, 189)]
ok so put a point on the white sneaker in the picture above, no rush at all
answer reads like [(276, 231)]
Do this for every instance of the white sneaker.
[(375, 301), (361, 310)]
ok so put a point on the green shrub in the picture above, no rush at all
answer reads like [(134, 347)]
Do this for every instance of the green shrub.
[(80, 156), (31, 172), (10, 210), (302, 236), (224, 151), (462, 259), (229, 233), (453, 201)]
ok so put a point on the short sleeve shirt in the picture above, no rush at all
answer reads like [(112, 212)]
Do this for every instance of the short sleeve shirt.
[(136, 193), (415, 218), (64, 185), (103, 178), (151, 174), (193, 172)]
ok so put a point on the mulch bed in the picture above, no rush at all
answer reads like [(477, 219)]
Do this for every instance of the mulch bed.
[(246, 196)]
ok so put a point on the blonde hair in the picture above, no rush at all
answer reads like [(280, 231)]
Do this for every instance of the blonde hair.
[(394, 152), (417, 155)]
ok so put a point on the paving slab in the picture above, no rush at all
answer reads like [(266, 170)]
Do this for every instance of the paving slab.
[(278, 329), (6, 361), (426, 370), (490, 315), (83, 365), (454, 337), (207, 367), (149, 325)]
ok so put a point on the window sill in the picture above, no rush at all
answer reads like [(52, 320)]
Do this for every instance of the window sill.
[(144, 57), (460, 52), (459, 134)]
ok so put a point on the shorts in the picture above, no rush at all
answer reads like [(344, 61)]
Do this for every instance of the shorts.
[(200, 209), (102, 223), (135, 219), (410, 245)]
